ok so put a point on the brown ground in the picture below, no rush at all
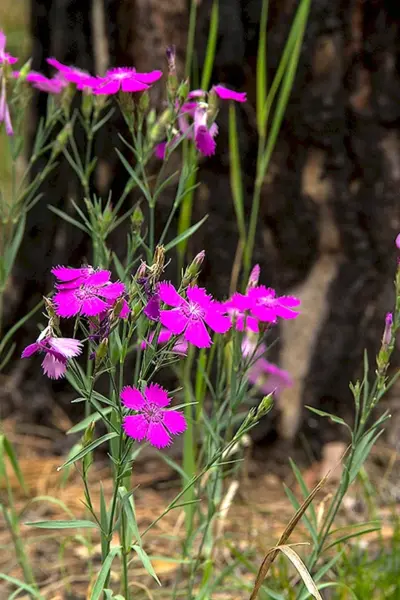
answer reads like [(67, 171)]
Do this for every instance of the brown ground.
[(254, 521)]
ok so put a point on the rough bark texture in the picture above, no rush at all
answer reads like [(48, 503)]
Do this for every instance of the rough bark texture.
[(330, 208)]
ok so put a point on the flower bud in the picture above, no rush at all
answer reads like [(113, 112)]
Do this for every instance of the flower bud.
[(265, 406), (193, 270), (101, 352), (118, 306), (88, 435), (144, 102), (253, 278), (61, 141), (137, 219), (387, 333), (87, 106)]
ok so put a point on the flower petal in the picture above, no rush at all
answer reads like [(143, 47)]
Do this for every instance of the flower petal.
[(157, 395), (199, 295), (135, 426), (226, 94), (150, 77), (158, 436), (67, 347), (217, 321), (107, 87), (92, 306), (69, 274), (29, 350), (98, 278), (174, 421), (133, 85), (168, 294), (132, 398), (197, 334), (53, 368), (111, 291), (205, 142), (174, 320), (67, 305)]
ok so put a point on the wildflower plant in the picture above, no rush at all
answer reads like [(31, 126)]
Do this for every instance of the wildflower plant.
[(132, 324)]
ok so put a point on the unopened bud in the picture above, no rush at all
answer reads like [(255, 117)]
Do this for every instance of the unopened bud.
[(183, 91), (158, 261), (144, 102), (254, 277), (265, 406), (101, 352), (61, 140), (387, 333), (193, 270), (141, 272), (87, 105), (213, 104), (23, 72), (88, 435), (171, 58), (137, 219)]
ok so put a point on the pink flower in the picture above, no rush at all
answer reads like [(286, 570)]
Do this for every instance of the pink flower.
[(253, 277), (180, 346), (160, 150), (204, 134), (126, 79), (237, 308), (80, 78), (266, 376), (5, 57), (44, 84), (266, 306), (152, 421), (188, 317), (57, 352), (398, 241), (85, 291), (4, 110), (226, 94)]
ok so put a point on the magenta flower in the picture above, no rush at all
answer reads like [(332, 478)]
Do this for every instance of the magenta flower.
[(57, 352), (85, 291), (44, 84), (398, 241), (4, 110), (254, 277), (5, 57), (238, 308), (189, 317), (152, 421), (204, 134), (226, 94), (126, 79), (82, 79), (180, 346), (266, 306)]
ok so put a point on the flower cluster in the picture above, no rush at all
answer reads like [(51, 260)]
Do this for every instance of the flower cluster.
[(85, 292), (186, 317)]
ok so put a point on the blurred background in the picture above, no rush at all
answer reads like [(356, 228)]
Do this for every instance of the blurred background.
[(330, 208)]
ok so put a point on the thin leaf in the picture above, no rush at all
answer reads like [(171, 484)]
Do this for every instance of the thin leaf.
[(304, 489), (85, 422), (68, 218), (6, 447), (302, 570), (362, 451), (146, 562), (261, 79), (103, 574), (211, 47), (21, 585), (134, 176), (185, 234), (235, 171), (89, 448), (58, 524), (333, 418)]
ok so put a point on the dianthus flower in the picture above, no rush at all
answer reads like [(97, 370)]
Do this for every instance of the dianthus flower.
[(266, 376), (152, 421), (189, 317), (4, 110), (84, 291), (398, 241), (52, 86), (125, 79), (82, 79), (267, 306), (5, 57), (180, 346), (202, 132), (238, 307), (57, 352)]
